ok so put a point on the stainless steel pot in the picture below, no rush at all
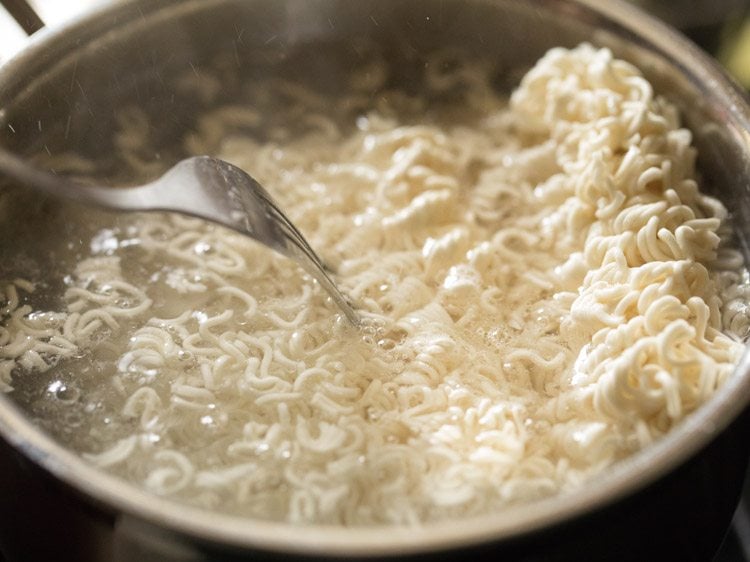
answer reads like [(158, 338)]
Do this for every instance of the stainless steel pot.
[(673, 500)]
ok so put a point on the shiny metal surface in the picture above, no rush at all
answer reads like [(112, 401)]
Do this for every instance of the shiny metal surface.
[(91, 60)]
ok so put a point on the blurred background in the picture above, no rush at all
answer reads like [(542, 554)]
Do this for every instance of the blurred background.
[(721, 27)]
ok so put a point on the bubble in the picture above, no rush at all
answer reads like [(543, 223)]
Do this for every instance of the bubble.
[(45, 318), (68, 394), (386, 344), (362, 122), (340, 324), (203, 248), (297, 338), (104, 242), (54, 386), (200, 316)]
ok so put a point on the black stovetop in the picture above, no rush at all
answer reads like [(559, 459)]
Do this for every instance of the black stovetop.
[(736, 547)]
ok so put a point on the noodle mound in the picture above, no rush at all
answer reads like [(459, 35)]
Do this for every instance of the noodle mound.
[(545, 291)]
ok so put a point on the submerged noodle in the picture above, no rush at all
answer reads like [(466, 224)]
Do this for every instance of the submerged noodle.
[(544, 290)]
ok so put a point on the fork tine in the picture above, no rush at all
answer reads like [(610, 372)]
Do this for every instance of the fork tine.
[(291, 231), (305, 254)]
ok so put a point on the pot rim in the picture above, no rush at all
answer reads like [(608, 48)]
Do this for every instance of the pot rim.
[(625, 478)]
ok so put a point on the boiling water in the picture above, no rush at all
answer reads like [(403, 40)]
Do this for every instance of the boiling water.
[(545, 291)]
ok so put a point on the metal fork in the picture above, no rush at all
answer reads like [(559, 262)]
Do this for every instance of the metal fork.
[(203, 187)]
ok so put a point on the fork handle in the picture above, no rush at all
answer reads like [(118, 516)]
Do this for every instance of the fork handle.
[(56, 186), (179, 190), (24, 14)]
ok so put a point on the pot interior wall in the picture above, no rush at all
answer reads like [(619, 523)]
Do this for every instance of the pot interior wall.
[(159, 57), (160, 62)]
